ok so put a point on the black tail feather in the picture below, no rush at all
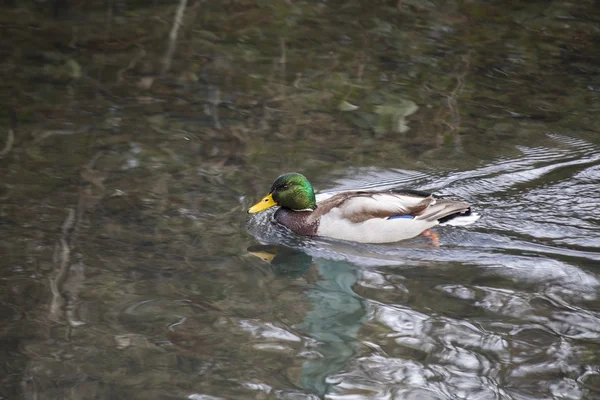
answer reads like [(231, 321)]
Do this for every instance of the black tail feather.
[(452, 216)]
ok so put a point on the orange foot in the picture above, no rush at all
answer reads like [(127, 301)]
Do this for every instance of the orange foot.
[(435, 238)]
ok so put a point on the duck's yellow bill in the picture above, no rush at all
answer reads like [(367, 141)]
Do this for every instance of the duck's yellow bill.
[(266, 203)]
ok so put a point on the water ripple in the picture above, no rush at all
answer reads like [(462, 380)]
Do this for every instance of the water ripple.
[(504, 309)]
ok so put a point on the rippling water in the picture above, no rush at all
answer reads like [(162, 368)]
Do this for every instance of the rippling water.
[(505, 308), (134, 135)]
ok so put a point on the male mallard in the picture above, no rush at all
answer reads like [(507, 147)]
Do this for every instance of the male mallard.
[(360, 216)]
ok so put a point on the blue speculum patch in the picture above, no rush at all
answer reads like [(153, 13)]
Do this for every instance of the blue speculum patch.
[(401, 216)]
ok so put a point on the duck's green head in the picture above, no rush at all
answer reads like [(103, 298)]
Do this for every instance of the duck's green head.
[(291, 191)]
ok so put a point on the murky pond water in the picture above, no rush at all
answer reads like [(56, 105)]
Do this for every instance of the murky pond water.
[(504, 309), (130, 269)]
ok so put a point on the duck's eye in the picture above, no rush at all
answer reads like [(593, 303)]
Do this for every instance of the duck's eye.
[(285, 187)]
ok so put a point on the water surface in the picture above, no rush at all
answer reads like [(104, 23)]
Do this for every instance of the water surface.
[(130, 269)]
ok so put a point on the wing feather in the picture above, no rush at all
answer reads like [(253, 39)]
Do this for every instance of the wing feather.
[(361, 206)]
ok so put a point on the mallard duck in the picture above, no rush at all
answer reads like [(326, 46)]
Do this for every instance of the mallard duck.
[(360, 216)]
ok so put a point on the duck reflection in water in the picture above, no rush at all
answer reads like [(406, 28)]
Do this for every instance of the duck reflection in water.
[(284, 261), (336, 311)]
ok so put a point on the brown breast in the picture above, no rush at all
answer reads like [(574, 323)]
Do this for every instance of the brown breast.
[(297, 221)]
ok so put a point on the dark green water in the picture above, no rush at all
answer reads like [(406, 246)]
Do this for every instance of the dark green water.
[(124, 242)]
